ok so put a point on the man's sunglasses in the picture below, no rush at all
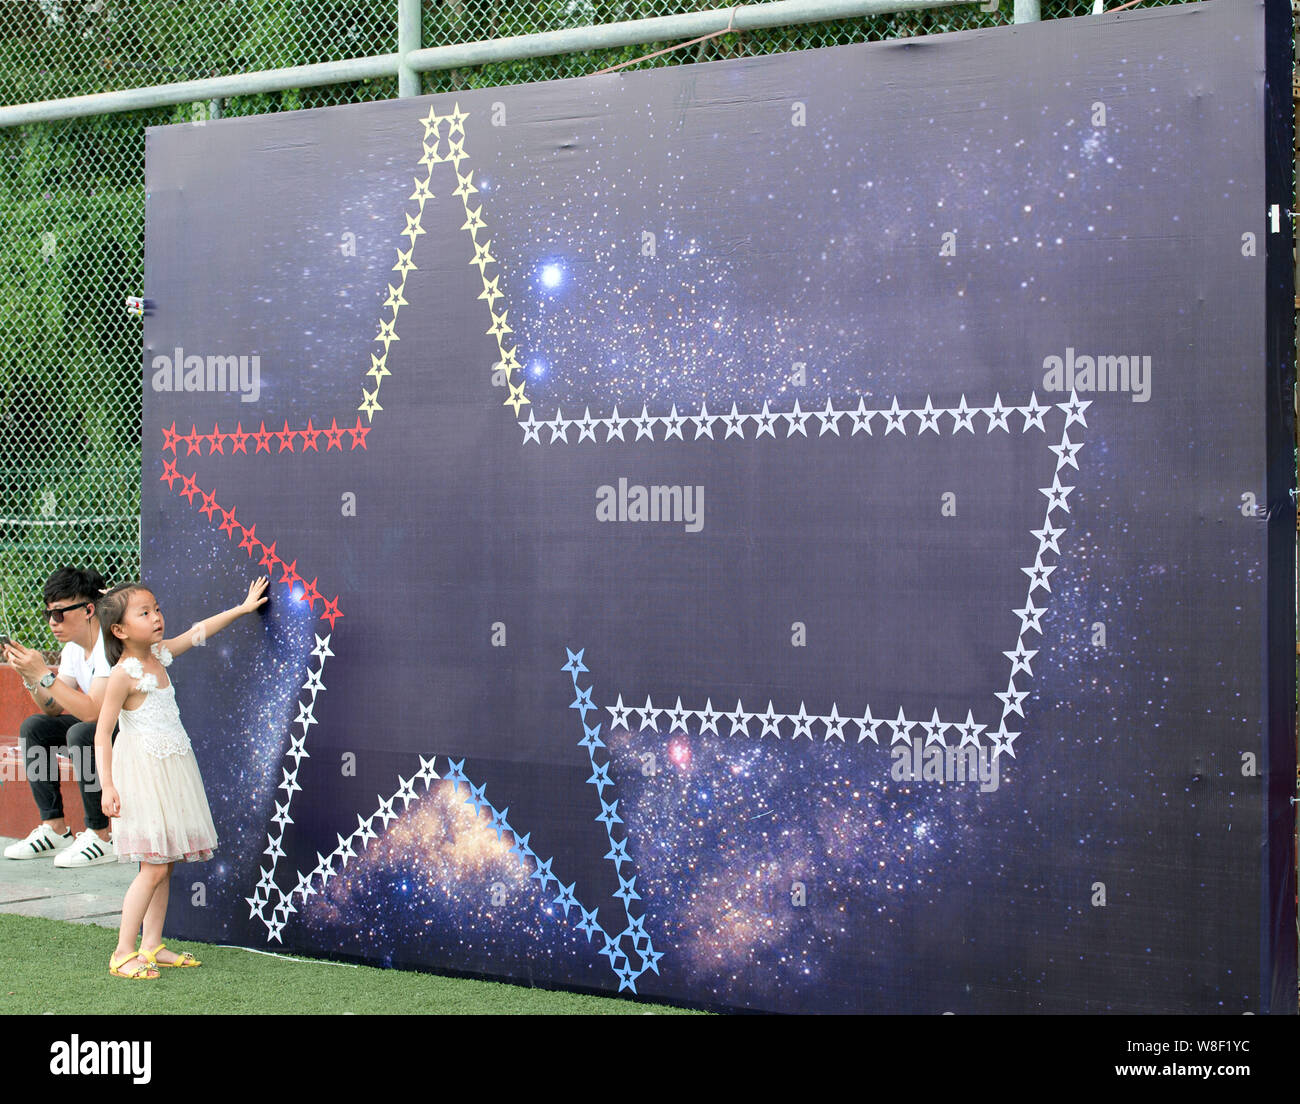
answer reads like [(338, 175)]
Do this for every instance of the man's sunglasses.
[(56, 615)]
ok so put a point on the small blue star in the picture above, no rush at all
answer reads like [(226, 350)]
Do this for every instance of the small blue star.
[(575, 666), (456, 775), (626, 889), (600, 777), (588, 922)]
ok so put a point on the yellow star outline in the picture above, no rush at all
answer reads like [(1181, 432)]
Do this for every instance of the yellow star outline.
[(490, 290), (465, 187), (370, 404), (483, 256), (432, 121), (499, 328), (516, 397), (474, 220), (387, 334), (378, 369), (395, 298), (413, 228), (431, 156), (404, 264), (456, 153), (457, 118), (421, 192)]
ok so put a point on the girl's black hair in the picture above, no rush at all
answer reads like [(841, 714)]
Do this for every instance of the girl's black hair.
[(111, 608)]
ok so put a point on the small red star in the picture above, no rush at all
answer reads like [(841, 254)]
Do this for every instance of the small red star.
[(269, 558), (309, 436), (170, 437), (310, 592), (333, 434), (228, 523), (216, 440), (263, 439), (331, 612), (358, 433), (238, 438), (189, 488), (209, 504), (290, 575), (170, 474), (250, 539), (193, 439), (286, 436)]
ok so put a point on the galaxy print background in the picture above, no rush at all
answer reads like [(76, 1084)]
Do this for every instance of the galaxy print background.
[(482, 730)]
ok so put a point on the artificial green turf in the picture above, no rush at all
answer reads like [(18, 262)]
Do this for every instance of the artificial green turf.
[(60, 967)]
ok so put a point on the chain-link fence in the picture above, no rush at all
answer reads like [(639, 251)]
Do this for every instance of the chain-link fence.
[(72, 196)]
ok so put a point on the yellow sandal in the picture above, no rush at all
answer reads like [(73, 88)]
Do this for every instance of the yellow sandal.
[(139, 971), (183, 959)]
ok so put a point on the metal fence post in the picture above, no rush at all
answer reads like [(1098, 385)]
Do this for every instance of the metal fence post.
[(408, 39), (1027, 11)]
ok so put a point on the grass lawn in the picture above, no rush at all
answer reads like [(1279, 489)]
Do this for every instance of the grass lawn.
[(60, 967)]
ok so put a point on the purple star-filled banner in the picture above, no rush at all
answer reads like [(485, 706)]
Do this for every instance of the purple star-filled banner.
[(804, 532)]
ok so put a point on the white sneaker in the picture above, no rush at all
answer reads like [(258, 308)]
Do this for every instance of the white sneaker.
[(87, 850), (41, 842)]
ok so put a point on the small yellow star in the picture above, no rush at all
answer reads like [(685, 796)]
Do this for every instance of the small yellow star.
[(378, 369), (404, 264), (370, 404), (490, 290), (456, 152), (421, 192), (474, 220), (457, 118), (466, 186), (387, 334), (516, 397), (431, 156), (499, 328), (413, 228), (431, 122), (395, 298), (483, 256), (509, 361)]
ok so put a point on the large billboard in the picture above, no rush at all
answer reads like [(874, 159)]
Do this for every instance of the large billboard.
[(789, 533)]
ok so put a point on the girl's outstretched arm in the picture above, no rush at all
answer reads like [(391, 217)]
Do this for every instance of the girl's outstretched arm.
[(214, 624), (119, 685)]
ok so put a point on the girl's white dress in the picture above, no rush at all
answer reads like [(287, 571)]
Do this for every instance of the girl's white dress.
[(165, 815)]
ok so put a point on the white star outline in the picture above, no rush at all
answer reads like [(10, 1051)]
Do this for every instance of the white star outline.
[(831, 724), (764, 419)]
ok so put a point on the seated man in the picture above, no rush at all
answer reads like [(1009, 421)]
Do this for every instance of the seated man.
[(69, 703)]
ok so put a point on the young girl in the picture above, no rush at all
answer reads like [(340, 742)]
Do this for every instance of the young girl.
[(150, 778)]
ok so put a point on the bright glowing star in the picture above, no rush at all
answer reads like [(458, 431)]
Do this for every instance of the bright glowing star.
[(680, 753), (921, 830), (552, 275), (537, 368)]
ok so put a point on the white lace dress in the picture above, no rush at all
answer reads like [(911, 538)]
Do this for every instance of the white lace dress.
[(165, 815)]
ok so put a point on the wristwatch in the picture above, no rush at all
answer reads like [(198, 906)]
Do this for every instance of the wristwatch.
[(47, 681)]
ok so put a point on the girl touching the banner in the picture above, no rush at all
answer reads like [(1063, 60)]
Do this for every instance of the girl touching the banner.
[(150, 777)]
